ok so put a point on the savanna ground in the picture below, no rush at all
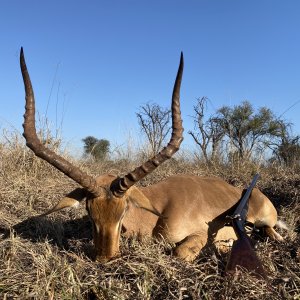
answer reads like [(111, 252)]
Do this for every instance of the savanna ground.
[(50, 257)]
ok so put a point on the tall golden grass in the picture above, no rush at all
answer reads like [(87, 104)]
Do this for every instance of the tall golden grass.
[(50, 257)]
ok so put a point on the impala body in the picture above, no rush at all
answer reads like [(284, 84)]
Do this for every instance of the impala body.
[(184, 209), (187, 210)]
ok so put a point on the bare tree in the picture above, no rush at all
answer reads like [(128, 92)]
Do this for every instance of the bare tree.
[(246, 130), (208, 134), (154, 122)]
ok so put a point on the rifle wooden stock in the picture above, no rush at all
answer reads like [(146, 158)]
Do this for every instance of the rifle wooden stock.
[(243, 255), (242, 252)]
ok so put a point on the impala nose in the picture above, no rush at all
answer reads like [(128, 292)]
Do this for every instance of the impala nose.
[(104, 259)]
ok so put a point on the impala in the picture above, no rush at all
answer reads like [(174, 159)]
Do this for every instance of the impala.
[(188, 210)]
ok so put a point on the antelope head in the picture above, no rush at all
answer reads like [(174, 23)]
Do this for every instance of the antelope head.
[(107, 197)]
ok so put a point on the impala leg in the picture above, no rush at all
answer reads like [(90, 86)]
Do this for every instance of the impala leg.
[(190, 247), (273, 234)]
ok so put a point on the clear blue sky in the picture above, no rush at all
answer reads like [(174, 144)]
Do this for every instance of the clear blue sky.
[(96, 62)]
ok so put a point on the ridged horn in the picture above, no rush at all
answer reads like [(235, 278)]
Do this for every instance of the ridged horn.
[(121, 185), (33, 142)]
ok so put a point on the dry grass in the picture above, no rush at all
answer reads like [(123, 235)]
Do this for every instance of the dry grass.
[(49, 258)]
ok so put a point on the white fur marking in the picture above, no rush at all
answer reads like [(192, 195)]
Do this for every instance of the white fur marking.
[(75, 205), (97, 228), (282, 225)]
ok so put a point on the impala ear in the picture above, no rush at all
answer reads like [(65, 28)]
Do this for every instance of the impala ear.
[(70, 200), (138, 199)]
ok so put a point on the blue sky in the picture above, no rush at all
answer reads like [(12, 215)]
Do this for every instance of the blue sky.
[(93, 63)]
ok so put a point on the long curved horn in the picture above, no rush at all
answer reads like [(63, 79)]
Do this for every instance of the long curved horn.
[(121, 185), (33, 142)]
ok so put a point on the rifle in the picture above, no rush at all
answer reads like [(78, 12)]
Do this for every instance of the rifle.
[(242, 252)]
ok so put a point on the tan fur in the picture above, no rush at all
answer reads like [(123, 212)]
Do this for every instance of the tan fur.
[(193, 210)]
